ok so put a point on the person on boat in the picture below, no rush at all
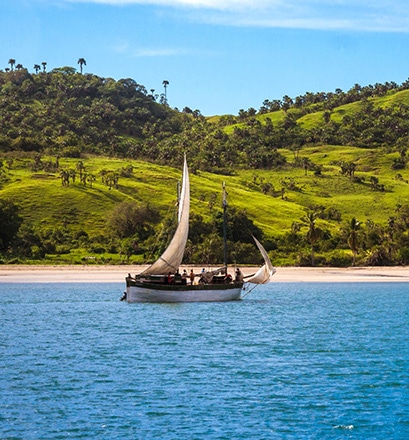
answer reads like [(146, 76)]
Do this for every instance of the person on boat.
[(178, 278), (192, 277), (184, 277), (169, 278), (228, 278), (202, 279), (239, 276)]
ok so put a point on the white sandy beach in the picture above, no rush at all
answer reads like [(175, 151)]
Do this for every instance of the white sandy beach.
[(104, 274)]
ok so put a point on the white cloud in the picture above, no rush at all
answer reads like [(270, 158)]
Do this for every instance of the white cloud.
[(369, 15)]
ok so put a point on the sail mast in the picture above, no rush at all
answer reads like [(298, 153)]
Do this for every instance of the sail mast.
[(224, 204), (172, 257)]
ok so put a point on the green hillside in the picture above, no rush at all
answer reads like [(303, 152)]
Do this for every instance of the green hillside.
[(50, 208), (89, 169)]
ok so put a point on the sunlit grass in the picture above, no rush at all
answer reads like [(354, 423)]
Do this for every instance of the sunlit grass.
[(45, 203)]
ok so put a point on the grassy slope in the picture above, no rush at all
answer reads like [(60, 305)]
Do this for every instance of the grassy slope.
[(45, 202), (313, 120)]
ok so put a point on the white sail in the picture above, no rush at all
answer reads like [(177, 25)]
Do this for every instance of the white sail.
[(172, 257), (266, 271)]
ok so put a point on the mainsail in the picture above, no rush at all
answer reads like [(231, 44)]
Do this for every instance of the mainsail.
[(266, 271), (172, 257)]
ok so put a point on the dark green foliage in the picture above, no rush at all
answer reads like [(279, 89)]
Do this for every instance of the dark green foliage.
[(10, 222), (67, 112), (313, 102), (206, 239), (239, 227), (244, 253), (129, 219), (29, 243)]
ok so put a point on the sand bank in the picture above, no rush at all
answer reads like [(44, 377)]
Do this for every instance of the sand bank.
[(104, 274)]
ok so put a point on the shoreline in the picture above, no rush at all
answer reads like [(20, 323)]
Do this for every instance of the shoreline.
[(114, 274)]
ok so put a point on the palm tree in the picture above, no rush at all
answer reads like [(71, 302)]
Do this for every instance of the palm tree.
[(44, 64), (82, 62), (12, 62), (64, 178), (91, 178), (72, 175), (37, 67), (313, 233), (353, 238), (351, 170), (165, 85), (19, 66), (306, 164), (80, 168)]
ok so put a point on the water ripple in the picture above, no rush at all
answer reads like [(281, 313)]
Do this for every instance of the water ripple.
[(290, 361)]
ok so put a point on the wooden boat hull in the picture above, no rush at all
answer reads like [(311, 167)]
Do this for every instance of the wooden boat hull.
[(145, 292)]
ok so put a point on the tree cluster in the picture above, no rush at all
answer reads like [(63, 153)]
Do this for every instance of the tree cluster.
[(371, 244), (68, 113), (313, 102)]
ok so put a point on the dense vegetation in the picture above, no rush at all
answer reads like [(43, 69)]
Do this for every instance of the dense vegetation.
[(70, 114), (89, 166)]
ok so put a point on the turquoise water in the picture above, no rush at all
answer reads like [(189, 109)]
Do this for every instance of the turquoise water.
[(290, 361)]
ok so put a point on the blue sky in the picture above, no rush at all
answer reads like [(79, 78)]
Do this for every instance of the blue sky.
[(218, 56)]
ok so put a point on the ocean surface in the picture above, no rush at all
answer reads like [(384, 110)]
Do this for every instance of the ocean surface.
[(290, 361)]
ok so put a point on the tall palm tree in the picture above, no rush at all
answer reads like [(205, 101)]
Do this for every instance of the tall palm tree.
[(306, 164), (12, 62), (44, 64), (80, 168), (353, 238), (313, 233), (37, 67), (351, 170), (165, 85), (82, 62)]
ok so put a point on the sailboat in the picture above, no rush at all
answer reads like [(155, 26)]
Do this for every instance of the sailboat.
[(161, 282)]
